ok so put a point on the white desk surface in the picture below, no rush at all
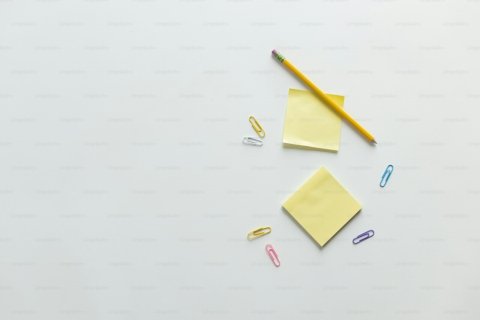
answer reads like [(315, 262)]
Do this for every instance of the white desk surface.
[(126, 193)]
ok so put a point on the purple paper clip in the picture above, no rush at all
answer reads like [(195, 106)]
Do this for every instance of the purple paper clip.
[(363, 236), (273, 255)]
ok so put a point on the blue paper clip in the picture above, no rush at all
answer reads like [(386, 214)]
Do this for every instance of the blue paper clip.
[(386, 175), (363, 236)]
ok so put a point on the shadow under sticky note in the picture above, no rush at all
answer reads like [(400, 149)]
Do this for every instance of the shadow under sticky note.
[(310, 123), (322, 206)]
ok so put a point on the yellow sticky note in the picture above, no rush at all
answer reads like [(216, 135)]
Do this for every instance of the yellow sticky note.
[(310, 123), (322, 206)]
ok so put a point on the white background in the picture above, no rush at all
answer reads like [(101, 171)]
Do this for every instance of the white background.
[(125, 191)]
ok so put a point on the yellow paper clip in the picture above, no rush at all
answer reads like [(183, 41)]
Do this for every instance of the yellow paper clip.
[(257, 127), (257, 233)]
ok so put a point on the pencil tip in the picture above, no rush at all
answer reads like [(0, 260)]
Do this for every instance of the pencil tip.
[(374, 142)]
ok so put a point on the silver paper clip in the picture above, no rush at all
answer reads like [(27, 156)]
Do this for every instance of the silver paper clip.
[(252, 141), (363, 236), (386, 175)]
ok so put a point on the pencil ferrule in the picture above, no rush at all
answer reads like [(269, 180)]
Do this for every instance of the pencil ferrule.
[(278, 56)]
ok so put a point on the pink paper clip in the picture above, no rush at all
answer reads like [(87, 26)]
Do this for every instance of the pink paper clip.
[(273, 255)]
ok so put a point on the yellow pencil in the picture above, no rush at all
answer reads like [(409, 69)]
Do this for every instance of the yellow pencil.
[(342, 113)]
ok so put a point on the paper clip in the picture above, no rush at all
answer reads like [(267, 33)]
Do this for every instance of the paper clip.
[(273, 255), (257, 233), (252, 141), (363, 236), (386, 175), (257, 127)]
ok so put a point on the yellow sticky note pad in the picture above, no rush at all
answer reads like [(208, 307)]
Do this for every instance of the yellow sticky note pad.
[(310, 123), (322, 206)]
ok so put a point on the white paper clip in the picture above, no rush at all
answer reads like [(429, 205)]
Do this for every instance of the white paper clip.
[(253, 141)]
